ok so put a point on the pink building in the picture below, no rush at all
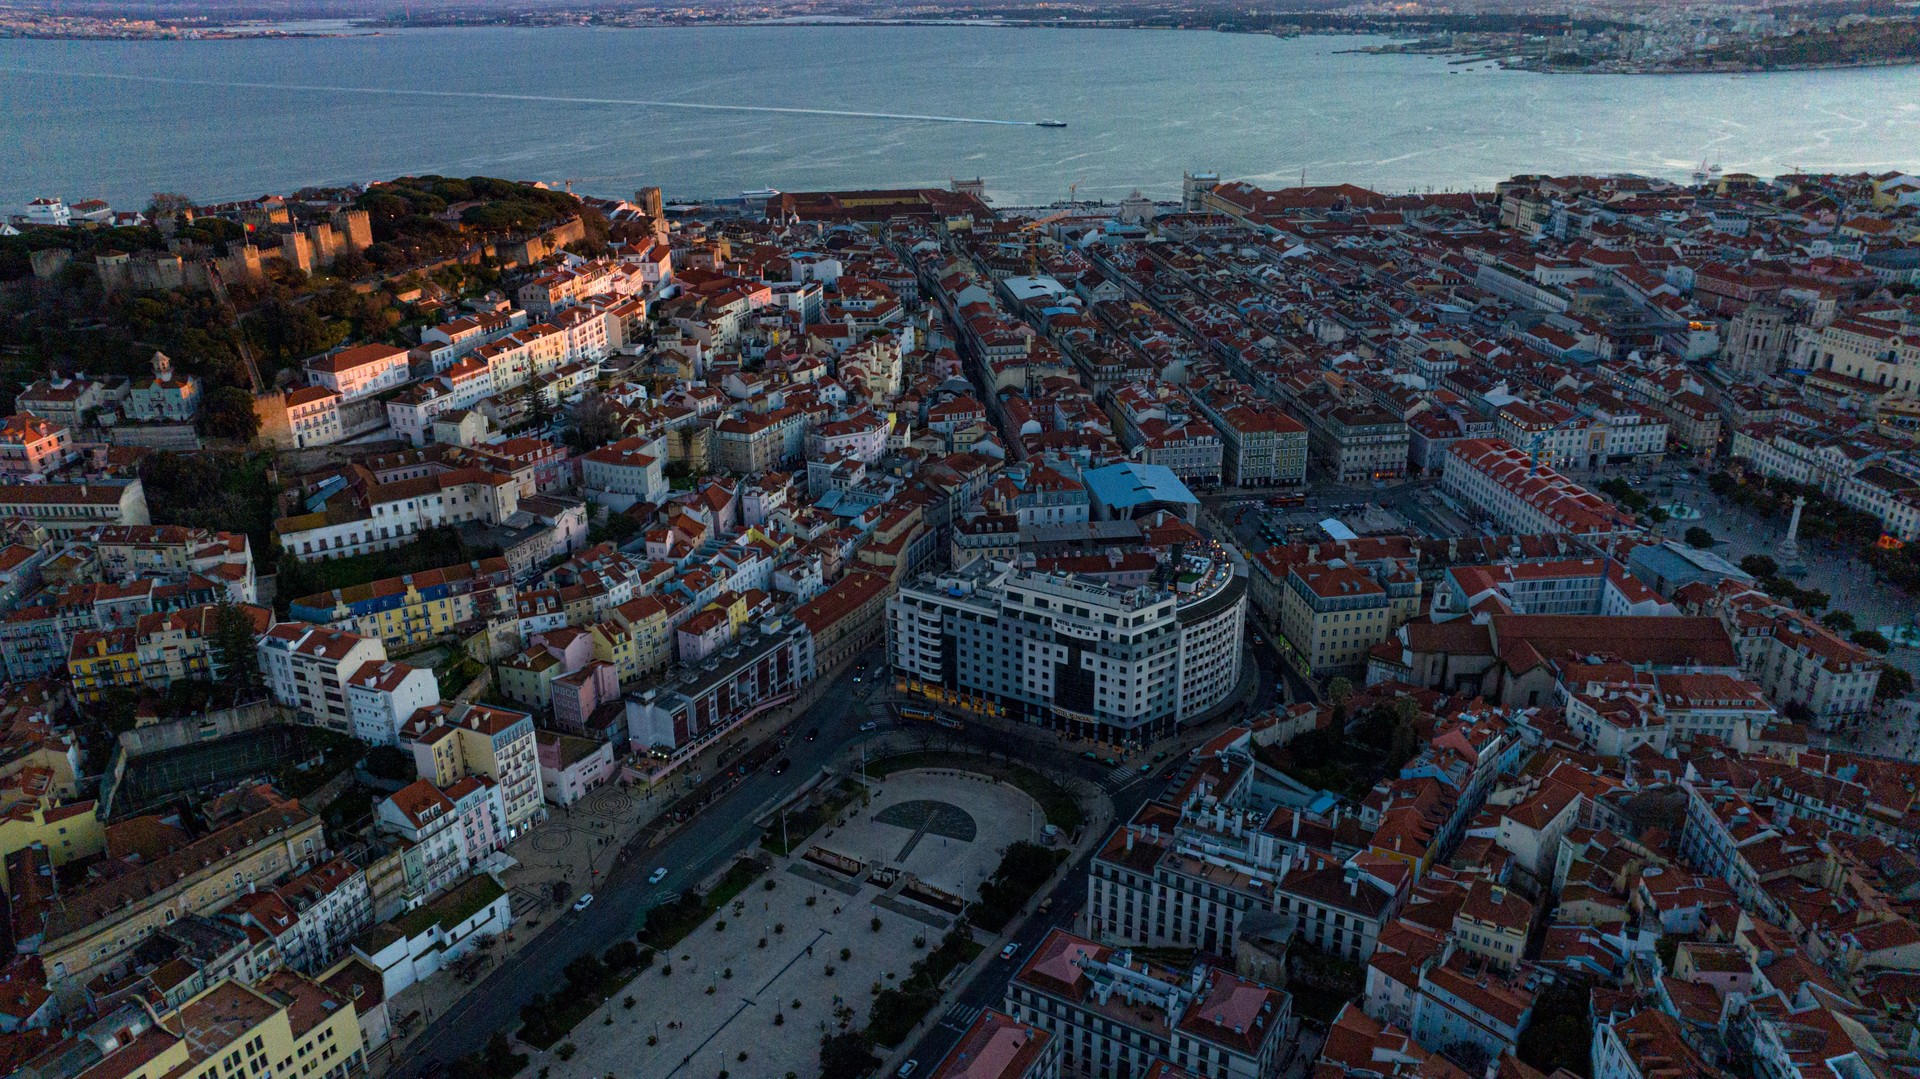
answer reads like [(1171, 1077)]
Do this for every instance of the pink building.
[(578, 695), (482, 816), (570, 767), (29, 444), (703, 635)]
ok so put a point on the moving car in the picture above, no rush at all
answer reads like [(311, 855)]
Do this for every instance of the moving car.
[(812, 733), (657, 875), (782, 765), (869, 725), (908, 1068), (583, 902), (1010, 950)]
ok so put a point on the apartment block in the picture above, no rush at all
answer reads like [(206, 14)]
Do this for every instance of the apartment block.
[(307, 667)]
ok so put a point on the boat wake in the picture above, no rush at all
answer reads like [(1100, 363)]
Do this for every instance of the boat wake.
[(546, 98)]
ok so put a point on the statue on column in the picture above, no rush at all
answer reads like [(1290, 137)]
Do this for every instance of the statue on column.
[(1789, 549)]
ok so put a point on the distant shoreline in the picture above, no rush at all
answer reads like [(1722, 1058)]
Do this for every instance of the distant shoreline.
[(1504, 59), (1465, 57)]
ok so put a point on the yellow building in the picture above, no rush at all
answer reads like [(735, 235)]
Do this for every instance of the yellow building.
[(649, 619), (616, 644), (450, 742), (735, 606), (159, 649), (1333, 612), (102, 660), (1493, 923), (67, 832), (286, 1026), (417, 607)]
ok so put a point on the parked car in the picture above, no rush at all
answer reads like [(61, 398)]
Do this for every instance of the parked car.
[(782, 765), (908, 1068), (812, 733), (1010, 950), (583, 902), (657, 875), (869, 725)]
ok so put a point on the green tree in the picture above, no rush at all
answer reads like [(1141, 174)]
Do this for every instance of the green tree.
[(233, 646), (846, 1056), (1838, 621), (284, 333), (1894, 684), (228, 413), (498, 1060), (1871, 638), (1759, 565), (1339, 690), (592, 423), (1700, 538)]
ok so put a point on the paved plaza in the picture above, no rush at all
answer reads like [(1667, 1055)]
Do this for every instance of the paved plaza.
[(777, 968), (947, 829), (1831, 569)]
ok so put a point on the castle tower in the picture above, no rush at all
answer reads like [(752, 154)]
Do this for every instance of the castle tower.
[(326, 243), (162, 367), (650, 201), (297, 250), (354, 225)]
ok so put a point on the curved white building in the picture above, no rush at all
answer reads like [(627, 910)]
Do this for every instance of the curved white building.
[(1104, 660)]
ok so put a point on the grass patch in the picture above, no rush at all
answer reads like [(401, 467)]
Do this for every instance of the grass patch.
[(1060, 806), (670, 922), (463, 902), (590, 981), (456, 674), (897, 1010), (802, 823)]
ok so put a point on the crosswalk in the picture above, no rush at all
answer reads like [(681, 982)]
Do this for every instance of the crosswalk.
[(960, 1016), (1122, 776)]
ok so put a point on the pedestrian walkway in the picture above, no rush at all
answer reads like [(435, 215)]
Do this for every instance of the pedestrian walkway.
[(1124, 776), (961, 1015)]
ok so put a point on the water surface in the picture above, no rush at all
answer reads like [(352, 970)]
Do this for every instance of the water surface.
[(1141, 107)]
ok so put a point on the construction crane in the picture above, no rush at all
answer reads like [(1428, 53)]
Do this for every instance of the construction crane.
[(1045, 221), (1539, 439)]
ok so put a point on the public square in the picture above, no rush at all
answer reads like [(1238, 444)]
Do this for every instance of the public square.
[(779, 966)]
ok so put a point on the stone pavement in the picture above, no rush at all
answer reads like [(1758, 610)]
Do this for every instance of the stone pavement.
[(752, 991)]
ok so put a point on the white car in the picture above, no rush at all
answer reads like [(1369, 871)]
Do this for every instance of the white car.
[(657, 875), (583, 902), (869, 725)]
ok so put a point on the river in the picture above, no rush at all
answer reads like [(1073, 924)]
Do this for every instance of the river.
[(229, 119)]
